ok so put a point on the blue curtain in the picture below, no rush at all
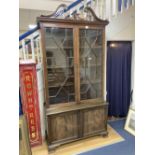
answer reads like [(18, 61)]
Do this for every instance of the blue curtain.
[(118, 77), (125, 3), (130, 2), (119, 5)]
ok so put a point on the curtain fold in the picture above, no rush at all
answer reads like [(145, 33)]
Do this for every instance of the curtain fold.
[(118, 77)]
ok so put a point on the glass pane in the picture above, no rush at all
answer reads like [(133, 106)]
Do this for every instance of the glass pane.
[(60, 64), (90, 63)]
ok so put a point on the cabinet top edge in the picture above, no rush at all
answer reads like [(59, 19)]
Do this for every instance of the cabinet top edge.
[(71, 21), (90, 17), (51, 111)]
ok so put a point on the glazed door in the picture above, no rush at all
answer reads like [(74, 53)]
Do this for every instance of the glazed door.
[(91, 63), (60, 65)]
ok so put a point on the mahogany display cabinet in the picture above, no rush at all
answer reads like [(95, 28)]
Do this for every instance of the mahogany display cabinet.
[(74, 77)]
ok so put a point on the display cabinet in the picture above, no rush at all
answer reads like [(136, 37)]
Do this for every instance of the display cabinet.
[(74, 77)]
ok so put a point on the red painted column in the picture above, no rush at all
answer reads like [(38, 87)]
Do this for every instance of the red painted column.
[(30, 101)]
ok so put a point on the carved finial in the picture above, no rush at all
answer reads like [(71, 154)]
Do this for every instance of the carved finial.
[(86, 15), (90, 14), (61, 8)]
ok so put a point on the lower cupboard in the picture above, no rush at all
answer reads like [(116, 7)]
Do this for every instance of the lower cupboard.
[(76, 122)]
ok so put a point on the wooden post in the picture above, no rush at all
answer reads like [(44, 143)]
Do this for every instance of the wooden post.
[(23, 47), (32, 48), (37, 50)]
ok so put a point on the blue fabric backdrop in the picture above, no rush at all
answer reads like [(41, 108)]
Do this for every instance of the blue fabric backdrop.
[(119, 5), (125, 3), (118, 77)]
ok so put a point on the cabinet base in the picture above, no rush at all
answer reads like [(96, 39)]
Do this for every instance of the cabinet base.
[(53, 147), (104, 134)]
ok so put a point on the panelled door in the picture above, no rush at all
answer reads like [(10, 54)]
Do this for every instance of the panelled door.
[(60, 65), (74, 60), (91, 63)]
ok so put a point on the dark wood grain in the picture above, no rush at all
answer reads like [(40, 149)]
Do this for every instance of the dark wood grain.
[(71, 121), (75, 19), (62, 127), (75, 107), (76, 122), (73, 22), (60, 7), (93, 120)]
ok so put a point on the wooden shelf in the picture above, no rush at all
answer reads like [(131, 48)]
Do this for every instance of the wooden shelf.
[(97, 47), (58, 67), (72, 84), (69, 76), (51, 57), (60, 85), (50, 111), (91, 81), (54, 48), (60, 37), (73, 94), (87, 66)]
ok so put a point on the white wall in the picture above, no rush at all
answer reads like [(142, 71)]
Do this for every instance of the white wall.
[(48, 5), (27, 17), (122, 26)]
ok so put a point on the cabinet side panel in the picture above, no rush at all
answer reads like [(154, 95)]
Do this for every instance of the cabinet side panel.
[(104, 57), (44, 63)]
